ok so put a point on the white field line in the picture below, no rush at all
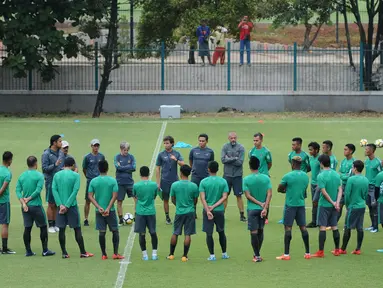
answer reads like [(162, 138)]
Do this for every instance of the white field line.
[(130, 242)]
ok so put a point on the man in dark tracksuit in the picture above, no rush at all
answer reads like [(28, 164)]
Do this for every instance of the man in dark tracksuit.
[(232, 156)]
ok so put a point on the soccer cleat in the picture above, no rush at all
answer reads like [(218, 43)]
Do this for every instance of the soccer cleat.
[(342, 252), (283, 257), (29, 254), (211, 258), (374, 230), (170, 257), (168, 221), (184, 259), (65, 256), (243, 219), (307, 256), (280, 221), (379, 250), (145, 258), (311, 225), (51, 230), (118, 257), (86, 222), (335, 252), (319, 254), (57, 229), (154, 257), (267, 221), (104, 257), (257, 259), (86, 255), (369, 228), (356, 252), (225, 256), (8, 251), (48, 253)]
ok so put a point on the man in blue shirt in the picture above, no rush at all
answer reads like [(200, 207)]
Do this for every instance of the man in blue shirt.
[(166, 172), (203, 34), (125, 165), (90, 170)]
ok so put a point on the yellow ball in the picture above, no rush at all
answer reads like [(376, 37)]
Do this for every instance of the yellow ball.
[(171, 257), (184, 259)]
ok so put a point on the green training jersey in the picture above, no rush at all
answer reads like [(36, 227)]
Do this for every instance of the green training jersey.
[(103, 188), (315, 168), (30, 184), (333, 162), (5, 176), (330, 181), (185, 193), (65, 186), (264, 157), (257, 185), (296, 183), (305, 159), (372, 167), (379, 183), (145, 192), (356, 192), (214, 187), (345, 169)]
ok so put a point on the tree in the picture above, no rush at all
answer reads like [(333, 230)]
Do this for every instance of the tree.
[(32, 41), (310, 13)]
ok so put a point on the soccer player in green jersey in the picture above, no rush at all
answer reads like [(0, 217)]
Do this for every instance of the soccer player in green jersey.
[(327, 150), (145, 193), (379, 196), (5, 207), (294, 184), (102, 193), (355, 197), (184, 195), (65, 186), (257, 187), (373, 166), (345, 171), (314, 149), (214, 191), (331, 192), (28, 191)]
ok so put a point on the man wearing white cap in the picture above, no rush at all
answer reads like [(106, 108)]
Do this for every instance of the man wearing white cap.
[(65, 149), (90, 170)]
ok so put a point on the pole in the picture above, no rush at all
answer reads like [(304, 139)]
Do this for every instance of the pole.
[(337, 25), (295, 67), (131, 26)]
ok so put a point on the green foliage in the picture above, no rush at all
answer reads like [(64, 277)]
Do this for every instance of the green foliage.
[(32, 40)]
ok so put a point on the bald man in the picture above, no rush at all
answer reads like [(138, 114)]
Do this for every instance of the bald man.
[(232, 157)]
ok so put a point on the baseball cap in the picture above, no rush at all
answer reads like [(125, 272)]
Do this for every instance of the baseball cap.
[(64, 144), (94, 142), (297, 158)]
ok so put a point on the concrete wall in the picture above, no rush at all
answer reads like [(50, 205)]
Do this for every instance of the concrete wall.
[(150, 101)]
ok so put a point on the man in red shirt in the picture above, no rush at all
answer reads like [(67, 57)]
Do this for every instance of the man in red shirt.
[(245, 28)]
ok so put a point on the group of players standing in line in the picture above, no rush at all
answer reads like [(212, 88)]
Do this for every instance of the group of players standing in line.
[(330, 191)]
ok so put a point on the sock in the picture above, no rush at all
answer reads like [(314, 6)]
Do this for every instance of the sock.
[(305, 237), (186, 250), (360, 236), (142, 242), (154, 252), (167, 215), (314, 214), (44, 238), (222, 241), (346, 238), (255, 244), (336, 236), (210, 243), (54, 223), (322, 240), (5, 243), (27, 238), (102, 241), (116, 241), (288, 238), (50, 223), (154, 241), (144, 253), (62, 241), (172, 249), (260, 238), (120, 218), (242, 214), (80, 240)]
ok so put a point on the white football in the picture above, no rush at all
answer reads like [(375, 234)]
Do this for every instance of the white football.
[(363, 142), (128, 218), (379, 143)]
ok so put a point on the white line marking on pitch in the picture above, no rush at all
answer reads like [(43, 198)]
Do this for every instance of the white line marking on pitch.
[(130, 242)]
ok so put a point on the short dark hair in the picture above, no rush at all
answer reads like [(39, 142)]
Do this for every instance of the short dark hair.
[(358, 165), (324, 160), (351, 147), (298, 139), (213, 166), (69, 162), (259, 134), (144, 171), (328, 143), (7, 156), (204, 135), (185, 170), (254, 163), (314, 145), (31, 161), (103, 166), (372, 146), (170, 139), (54, 139)]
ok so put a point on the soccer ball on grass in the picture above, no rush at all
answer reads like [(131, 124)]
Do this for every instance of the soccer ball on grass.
[(363, 142), (128, 218)]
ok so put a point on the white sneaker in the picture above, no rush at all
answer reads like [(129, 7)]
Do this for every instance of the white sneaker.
[(57, 229), (52, 230)]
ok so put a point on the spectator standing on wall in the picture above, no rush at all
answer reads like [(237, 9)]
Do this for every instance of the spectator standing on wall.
[(219, 52), (203, 34), (245, 27)]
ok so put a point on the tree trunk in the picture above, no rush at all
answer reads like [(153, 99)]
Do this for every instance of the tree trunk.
[(368, 48), (108, 53), (306, 41), (344, 12)]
